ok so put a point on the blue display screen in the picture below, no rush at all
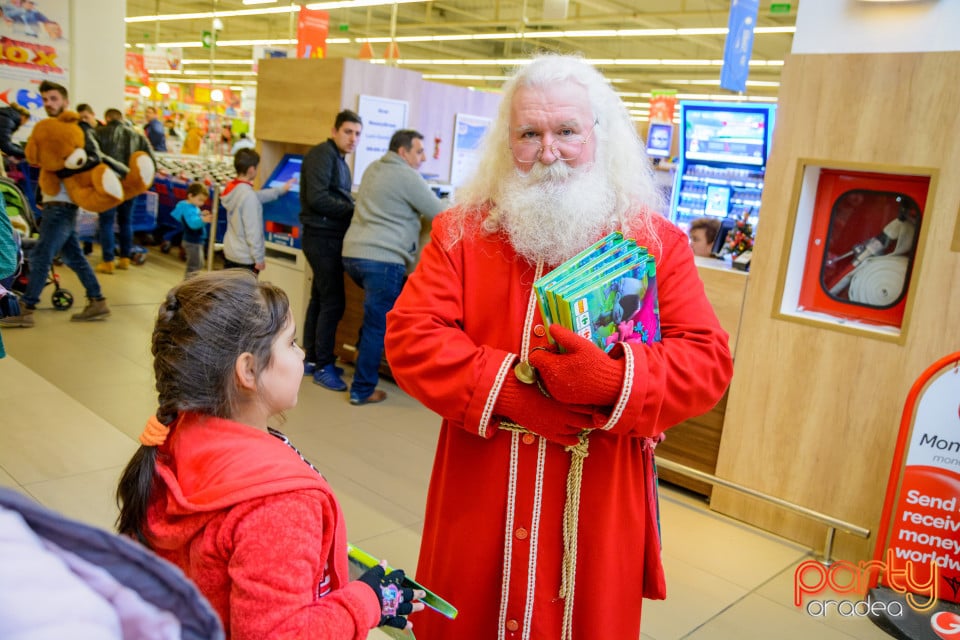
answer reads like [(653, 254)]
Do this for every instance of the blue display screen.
[(725, 135), (289, 167)]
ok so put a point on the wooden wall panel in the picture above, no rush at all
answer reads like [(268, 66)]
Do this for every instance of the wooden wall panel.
[(298, 100), (725, 289), (813, 413)]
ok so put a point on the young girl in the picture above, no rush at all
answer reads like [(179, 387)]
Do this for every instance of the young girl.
[(227, 499)]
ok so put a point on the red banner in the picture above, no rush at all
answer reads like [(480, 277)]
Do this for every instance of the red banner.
[(312, 29), (136, 74), (27, 55)]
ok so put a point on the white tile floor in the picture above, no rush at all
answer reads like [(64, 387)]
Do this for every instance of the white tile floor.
[(75, 396)]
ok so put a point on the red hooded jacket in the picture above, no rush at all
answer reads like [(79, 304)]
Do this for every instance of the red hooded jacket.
[(259, 531)]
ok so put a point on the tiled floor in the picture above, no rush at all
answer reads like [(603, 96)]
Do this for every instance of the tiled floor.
[(75, 396)]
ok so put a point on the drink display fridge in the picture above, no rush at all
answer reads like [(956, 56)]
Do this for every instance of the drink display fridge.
[(723, 158)]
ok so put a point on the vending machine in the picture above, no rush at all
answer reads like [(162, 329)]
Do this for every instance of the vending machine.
[(723, 158)]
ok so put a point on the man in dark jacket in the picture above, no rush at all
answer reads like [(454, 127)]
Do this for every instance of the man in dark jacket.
[(326, 207), (12, 117), (119, 141)]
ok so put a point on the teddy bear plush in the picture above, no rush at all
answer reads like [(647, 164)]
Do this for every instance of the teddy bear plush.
[(59, 147)]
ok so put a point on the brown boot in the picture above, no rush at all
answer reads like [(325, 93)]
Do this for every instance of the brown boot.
[(123, 264), (95, 310), (24, 320), (105, 267), (376, 396)]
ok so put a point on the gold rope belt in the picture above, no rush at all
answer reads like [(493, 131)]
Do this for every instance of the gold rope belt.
[(571, 515)]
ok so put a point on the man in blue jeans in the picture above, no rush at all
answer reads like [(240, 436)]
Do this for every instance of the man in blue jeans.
[(382, 244), (58, 234), (325, 209)]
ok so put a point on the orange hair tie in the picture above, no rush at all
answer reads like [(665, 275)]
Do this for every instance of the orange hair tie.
[(154, 433)]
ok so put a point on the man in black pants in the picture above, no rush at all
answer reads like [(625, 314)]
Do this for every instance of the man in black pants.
[(326, 207)]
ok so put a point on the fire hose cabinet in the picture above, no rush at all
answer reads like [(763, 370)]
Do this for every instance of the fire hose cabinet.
[(862, 244)]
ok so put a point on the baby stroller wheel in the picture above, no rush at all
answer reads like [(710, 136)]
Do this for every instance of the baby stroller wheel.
[(62, 299)]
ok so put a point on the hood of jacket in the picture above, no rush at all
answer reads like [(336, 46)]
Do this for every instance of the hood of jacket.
[(208, 465), (235, 191)]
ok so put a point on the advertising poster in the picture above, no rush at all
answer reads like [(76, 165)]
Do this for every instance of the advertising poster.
[(468, 131), (922, 511), (34, 46), (662, 105), (381, 117), (136, 71), (312, 28), (162, 58)]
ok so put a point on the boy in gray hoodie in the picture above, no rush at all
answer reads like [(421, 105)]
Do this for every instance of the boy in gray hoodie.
[(243, 241)]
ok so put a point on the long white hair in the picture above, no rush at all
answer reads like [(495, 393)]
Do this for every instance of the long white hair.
[(620, 156)]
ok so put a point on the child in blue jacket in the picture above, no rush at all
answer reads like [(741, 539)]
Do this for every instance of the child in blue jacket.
[(194, 222)]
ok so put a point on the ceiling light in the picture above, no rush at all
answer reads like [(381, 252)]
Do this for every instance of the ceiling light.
[(249, 2), (293, 8), (242, 61), (163, 88), (145, 91)]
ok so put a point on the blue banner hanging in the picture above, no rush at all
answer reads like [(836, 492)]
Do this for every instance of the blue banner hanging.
[(739, 45)]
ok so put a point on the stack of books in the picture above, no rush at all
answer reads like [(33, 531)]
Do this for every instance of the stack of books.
[(607, 293)]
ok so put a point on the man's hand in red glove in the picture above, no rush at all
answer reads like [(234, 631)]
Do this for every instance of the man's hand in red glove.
[(548, 417), (584, 374)]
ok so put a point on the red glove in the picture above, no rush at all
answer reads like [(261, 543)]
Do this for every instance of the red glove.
[(584, 374), (528, 407)]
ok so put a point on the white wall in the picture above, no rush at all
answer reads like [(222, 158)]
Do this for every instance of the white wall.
[(97, 54), (855, 26)]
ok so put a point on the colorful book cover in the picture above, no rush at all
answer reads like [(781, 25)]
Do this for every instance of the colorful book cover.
[(572, 264), (620, 308), (606, 293)]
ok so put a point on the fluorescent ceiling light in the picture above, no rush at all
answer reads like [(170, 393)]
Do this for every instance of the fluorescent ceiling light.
[(622, 62), (594, 33), (237, 43), (294, 8), (249, 61), (354, 4), (168, 17), (184, 72), (250, 2)]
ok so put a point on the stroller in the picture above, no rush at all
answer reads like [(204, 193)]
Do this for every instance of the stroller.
[(20, 214)]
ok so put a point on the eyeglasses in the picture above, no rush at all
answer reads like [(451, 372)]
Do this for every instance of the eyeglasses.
[(566, 146)]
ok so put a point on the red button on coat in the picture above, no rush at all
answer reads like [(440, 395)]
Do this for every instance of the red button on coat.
[(539, 331), (521, 534), (528, 438), (512, 625)]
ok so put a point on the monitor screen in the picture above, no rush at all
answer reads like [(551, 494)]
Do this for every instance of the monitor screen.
[(726, 133), (659, 139), (288, 167), (718, 201)]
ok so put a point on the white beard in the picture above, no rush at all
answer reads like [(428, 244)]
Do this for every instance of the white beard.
[(555, 211)]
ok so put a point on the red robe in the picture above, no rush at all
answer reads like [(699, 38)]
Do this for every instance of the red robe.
[(492, 538), (258, 531)]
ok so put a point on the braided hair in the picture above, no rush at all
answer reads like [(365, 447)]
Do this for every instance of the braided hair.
[(203, 326)]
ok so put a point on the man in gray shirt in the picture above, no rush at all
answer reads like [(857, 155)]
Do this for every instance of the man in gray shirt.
[(381, 246)]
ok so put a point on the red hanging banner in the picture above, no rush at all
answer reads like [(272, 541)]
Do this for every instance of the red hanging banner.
[(312, 28)]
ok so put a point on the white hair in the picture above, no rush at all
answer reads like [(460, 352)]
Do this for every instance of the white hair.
[(620, 156)]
